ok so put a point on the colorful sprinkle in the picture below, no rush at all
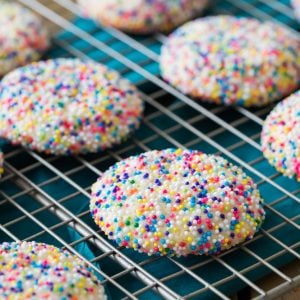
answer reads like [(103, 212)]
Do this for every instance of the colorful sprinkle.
[(229, 60), (281, 136), (30, 270), (189, 203), (23, 38), (142, 16), (296, 5), (67, 106)]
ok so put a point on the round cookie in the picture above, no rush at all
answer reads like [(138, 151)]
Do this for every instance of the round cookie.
[(176, 202), (142, 16), (67, 106), (281, 136), (23, 38), (296, 5), (232, 61), (31, 270)]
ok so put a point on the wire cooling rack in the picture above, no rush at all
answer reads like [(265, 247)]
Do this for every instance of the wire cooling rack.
[(45, 198)]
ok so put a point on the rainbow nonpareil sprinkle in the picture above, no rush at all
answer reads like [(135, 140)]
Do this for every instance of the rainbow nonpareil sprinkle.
[(30, 270), (281, 137), (67, 106), (176, 202), (142, 16), (23, 38), (232, 61)]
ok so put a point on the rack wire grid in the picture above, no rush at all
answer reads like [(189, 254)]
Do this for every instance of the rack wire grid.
[(45, 198)]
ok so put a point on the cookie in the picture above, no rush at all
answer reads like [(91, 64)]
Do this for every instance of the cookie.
[(176, 202), (232, 61), (142, 16), (67, 106), (296, 6), (281, 137), (31, 270), (23, 38)]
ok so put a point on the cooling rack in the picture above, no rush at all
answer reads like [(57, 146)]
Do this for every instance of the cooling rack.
[(45, 198)]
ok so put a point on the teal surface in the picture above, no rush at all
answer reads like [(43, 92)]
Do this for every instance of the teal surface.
[(68, 196)]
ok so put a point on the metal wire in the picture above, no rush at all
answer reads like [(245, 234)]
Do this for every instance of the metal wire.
[(20, 182)]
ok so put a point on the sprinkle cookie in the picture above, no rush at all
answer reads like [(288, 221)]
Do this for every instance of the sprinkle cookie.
[(296, 5), (31, 270), (232, 61), (176, 202), (23, 38), (142, 16), (281, 136), (67, 106)]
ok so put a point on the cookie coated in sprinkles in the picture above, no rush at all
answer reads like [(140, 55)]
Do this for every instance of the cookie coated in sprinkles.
[(232, 61), (23, 37), (281, 137), (30, 270), (142, 16), (67, 106), (176, 202)]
